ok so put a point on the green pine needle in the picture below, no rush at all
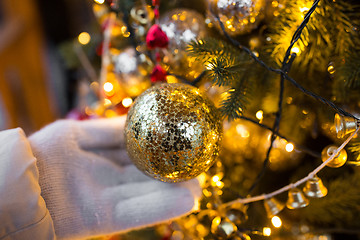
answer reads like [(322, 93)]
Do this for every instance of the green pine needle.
[(232, 107), (355, 148)]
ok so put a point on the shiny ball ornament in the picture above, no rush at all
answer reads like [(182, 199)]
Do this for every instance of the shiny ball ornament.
[(338, 161), (132, 71), (238, 16), (173, 132), (181, 27)]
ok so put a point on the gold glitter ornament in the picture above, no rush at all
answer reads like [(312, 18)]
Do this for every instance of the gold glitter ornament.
[(173, 132)]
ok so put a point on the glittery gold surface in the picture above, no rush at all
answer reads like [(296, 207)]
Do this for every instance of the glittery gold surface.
[(173, 132)]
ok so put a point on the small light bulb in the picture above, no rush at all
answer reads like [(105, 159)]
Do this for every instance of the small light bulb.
[(84, 38), (99, 1), (289, 147), (215, 178), (219, 184), (259, 114), (108, 87), (126, 102), (276, 221), (295, 50), (303, 9), (266, 231)]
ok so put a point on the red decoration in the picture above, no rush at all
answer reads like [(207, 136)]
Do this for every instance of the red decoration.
[(155, 2), (158, 57), (156, 13), (156, 38), (158, 74)]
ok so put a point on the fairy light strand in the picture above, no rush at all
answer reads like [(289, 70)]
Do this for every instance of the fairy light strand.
[(297, 146)]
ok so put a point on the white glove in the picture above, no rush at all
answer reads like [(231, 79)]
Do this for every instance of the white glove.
[(91, 188)]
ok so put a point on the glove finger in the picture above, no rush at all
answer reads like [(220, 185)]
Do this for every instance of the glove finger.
[(130, 190), (102, 133), (117, 155), (153, 208), (194, 186), (107, 173)]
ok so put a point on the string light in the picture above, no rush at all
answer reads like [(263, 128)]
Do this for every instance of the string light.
[(266, 231), (215, 178), (303, 9), (126, 102), (108, 87), (259, 115), (295, 50), (99, 1), (276, 221), (84, 38), (289, 147)]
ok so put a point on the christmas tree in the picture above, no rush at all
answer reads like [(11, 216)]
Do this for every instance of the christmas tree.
[(278, 72)]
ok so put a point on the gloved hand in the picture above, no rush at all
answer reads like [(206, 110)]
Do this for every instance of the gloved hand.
[(90, 186)]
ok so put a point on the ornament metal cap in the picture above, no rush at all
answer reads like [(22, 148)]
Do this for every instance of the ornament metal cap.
[(296, 199), (345, 125), (273, 207), (315, 188)]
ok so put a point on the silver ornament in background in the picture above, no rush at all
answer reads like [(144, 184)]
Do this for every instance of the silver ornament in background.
[(181, 27), (238, 16), (132, 71)]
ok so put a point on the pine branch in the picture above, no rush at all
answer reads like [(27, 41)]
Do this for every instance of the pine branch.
[(236, 101), (329, 33), (224, 71), (349, 72), (355, 148), (209, 48), (226, 66)]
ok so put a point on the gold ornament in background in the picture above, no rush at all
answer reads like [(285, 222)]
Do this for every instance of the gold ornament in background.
[(141, 17), (238, 16), (338, 161), (173, 132)]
